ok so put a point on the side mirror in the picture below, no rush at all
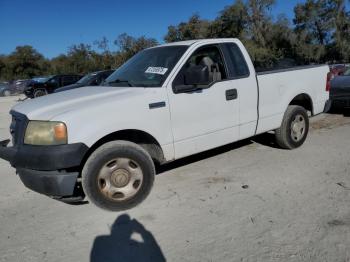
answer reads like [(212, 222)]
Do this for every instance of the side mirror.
[(197, 75)]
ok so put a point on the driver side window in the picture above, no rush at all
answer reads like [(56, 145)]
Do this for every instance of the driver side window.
[(207, 56)]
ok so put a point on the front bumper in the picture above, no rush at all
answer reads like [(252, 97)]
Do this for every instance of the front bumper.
[(44, 169), (44, 158), (50, 183)]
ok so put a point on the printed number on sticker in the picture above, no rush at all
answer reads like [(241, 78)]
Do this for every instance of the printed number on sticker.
[(156, 70)]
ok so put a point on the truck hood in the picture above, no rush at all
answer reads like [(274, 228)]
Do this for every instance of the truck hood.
[(47, 107)]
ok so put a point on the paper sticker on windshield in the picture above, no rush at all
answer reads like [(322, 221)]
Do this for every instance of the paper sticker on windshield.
[(156, 70)]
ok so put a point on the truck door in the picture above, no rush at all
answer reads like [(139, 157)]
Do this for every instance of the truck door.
[(208, 117), (245, 82)]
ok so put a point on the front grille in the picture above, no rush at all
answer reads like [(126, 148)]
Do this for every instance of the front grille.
[(17, 127)]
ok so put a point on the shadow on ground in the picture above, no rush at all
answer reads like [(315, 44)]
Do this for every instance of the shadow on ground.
[(201, 156), (266, 139), (128, 241)]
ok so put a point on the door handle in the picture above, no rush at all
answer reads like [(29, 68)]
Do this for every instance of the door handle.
[(231, 94)]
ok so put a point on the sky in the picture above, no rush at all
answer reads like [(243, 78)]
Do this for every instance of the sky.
[(51, 26)]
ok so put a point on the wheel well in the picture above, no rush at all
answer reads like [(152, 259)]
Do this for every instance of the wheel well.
[(303, 100), (145, 140)]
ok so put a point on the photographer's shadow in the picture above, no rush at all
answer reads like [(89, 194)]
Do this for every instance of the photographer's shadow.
[(121, 245)]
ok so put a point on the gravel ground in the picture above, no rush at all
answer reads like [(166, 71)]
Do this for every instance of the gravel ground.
[(248, 201)]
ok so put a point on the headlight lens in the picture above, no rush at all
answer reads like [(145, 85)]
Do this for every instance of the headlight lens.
[(43, 133)]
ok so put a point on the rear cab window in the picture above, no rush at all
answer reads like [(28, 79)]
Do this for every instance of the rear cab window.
[(236, 63)]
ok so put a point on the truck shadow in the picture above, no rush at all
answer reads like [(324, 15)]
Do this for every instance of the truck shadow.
[(121, 245), (264, 139), (201, 156)]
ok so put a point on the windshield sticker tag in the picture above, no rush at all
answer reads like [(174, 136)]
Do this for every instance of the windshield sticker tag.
[(156, 70)]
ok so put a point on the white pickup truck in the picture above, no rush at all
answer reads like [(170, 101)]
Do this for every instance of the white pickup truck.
[(165, 103)]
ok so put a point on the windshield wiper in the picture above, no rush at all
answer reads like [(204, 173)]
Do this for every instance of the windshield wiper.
[(117, 81)]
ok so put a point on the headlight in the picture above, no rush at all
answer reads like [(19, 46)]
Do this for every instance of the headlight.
[(43, 133)]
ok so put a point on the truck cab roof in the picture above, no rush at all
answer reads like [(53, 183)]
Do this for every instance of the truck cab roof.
[(199, 41)]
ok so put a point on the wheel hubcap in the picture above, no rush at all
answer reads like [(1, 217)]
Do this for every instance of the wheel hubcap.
[(120, 179), (298, 128)]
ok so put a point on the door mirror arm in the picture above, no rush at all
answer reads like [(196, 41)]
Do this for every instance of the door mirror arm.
[(196, 78)]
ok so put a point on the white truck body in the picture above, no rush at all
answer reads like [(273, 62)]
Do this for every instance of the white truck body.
[(189, 123)]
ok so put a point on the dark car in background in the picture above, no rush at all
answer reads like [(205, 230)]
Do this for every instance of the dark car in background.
[(13, 87), (337, 70), (5, 89), (92, 79), (18, 86), (41, 86), (340, 90)]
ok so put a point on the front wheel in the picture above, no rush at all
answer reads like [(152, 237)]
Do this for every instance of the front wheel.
[(118, 176), (294, 129)]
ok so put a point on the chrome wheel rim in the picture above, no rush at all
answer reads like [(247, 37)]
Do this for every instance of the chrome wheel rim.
[(298, 128), (120, 179)]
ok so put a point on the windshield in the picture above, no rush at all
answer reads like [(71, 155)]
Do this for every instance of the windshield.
[(86, 79), (42, 79), (148, 68), (347, 72)]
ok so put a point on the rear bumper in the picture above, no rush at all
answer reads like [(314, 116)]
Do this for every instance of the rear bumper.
[(341, 102), (44, 168)]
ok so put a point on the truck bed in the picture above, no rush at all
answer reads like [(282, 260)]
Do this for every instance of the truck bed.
[(294, 68), (277, 88)]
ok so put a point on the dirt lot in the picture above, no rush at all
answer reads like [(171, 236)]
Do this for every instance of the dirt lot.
[(245, 202)]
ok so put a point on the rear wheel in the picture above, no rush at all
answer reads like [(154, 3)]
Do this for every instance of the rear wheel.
[(118, 176), (39, 93), (294, 129)]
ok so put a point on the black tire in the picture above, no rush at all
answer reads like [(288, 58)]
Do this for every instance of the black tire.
[(39, 93), (100, 158), (285, 136)]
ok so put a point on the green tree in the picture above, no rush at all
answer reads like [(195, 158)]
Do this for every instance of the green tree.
[(59, 64), (106, 58), (195, 28), (3, 68), (232, 21), (82, 59), (259, 20), (129, 46), (258, 34), (340, 48), (313, 25), (25, 62)]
